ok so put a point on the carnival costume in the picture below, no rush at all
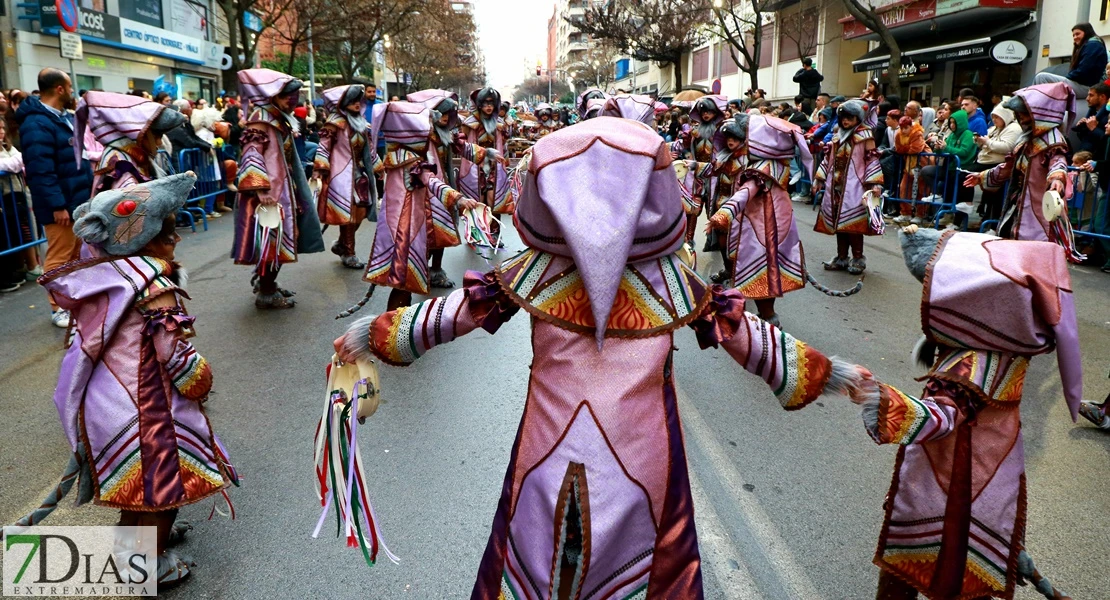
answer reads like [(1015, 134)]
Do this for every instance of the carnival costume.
[(596, 501), (345, 162), (418, 205), (132, 387), (849, 173), (119, 122), (488, 181), (588, 100), (956, 510), (764, 250), (629, 106), (271, 179), (545, 115), (1038, 160), (703, 144)]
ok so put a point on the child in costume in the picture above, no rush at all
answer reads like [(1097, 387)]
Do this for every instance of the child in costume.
[(955, 513), (850, 170), (344, 165), (444, 116), (707, 114), (488, 181), (130, 129), (271, 178), (417, 205), (1038, 164), (764, 251), (596, 501), (545, 114), (132, 387)]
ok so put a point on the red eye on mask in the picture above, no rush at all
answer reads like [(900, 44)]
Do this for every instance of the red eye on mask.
[(125, 208)]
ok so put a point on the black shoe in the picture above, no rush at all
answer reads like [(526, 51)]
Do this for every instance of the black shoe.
[(10, 286)]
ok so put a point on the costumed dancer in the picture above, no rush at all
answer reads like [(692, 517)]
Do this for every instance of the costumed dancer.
[(636, 107), (414, 191), (132, 387), (271, 179), (487, 181), (1038, 164), (596, 500), (849, 172), (764, 250), (956, 510), (708, 113), (441, 151), (130, 128), (588, 103), (545, 114), (344, 165)]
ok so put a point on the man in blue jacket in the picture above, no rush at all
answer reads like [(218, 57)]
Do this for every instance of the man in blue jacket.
[(59, 180), (976, 119)]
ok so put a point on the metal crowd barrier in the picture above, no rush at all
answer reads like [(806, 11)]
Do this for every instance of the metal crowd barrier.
[(945, 182), (15, 210), (210, 181), (1089, 215)]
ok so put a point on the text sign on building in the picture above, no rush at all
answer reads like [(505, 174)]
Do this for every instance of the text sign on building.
[(1009, 52), (70, 45), (90, 23)]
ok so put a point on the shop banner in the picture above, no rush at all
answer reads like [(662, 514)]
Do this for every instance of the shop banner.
[(167, 43), (93, 24), (148, 12)]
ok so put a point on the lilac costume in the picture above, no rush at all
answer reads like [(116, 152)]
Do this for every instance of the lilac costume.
[(956, 510), (117, 121), (763, 240), (476, 180), (596, 501)]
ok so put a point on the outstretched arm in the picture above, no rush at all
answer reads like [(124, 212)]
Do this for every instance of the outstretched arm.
[(169, 327), (892, 417), (401, 336), (797, 373)]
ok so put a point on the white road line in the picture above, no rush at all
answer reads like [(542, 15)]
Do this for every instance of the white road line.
[(716, 548), (796, 582)]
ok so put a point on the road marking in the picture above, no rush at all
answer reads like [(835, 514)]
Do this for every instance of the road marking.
[(716, 548), (795, 581)]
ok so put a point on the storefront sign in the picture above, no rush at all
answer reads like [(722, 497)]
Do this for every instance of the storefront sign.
[(148, 12), (92, 24), (893, 17), (947, 7), (70, 45), (167, 43), (1009, 52), (252, 22)]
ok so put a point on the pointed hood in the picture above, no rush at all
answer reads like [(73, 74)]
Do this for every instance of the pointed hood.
[(583, 103), (260, 85), (407, 123), (343, 95), (431, 97), (630, 106), (480, 96), (572, 206), (775, 139), (967, 276), (124, 220), (593, 108), (1051, 104), (716, 103), (115, 118)]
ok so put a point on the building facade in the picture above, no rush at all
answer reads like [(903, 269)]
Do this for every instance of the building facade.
[(151, 45)]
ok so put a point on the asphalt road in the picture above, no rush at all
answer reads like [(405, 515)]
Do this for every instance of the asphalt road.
[(788, 505)]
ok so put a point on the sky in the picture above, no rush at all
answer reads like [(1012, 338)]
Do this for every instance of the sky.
[(513, 36)]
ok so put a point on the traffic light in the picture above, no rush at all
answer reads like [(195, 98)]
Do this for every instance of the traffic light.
[(539, 69)]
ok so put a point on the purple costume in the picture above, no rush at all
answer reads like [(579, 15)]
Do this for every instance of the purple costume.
[(596, 501)]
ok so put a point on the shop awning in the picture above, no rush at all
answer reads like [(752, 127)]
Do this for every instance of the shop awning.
[(934, 49)]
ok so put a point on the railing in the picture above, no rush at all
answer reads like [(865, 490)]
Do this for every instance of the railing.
[(944, 184), (1088, 219), (210, 181), (20, 229)]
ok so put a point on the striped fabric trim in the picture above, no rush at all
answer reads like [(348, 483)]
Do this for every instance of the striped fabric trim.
[(252, 170)]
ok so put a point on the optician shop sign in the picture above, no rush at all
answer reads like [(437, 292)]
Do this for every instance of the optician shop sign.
[(134, 35)]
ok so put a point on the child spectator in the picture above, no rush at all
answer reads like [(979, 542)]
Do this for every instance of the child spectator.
[(1084, 181), (909, 141)]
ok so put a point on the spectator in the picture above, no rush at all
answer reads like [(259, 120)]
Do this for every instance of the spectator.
[(808, 80), (836, 101), (12, 100), (909, 142), (803, 105), (820, 104), (163, 98), (961, 144), (1088, 61), (976, 120), (233, 114), (884, 142), (16, 216), (59, 182), (1000, 140), (1091, 130), (757, 98), (913, 111), (936, 133)]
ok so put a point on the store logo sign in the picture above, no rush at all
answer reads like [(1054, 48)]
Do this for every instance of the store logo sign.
[(1009, 52), (92, 20)]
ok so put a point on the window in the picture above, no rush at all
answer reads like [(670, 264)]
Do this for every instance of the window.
[(88, 82), (798, 36), (767, 47), (701, 65), (725, 63)]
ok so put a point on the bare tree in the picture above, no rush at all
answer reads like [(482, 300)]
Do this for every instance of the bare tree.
[(538, 86), (740, 24), (241, 39), (438, 50), (866, 13), (650, 30), (596, 67), (802, 26), (355, 28)]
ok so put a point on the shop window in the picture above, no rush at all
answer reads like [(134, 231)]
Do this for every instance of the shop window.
[(88, 82), (701, 65), (797, 35)]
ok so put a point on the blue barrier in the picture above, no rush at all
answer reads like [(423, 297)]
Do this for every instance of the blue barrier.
[(945, 182), (166, 162), (15, 210), (1095, 219)]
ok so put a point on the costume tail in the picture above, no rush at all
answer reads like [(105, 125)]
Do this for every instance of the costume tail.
[(1027, 571), (51, 502), (354, 309), (835, 293)]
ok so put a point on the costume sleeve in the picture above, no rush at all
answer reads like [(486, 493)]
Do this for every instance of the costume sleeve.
[(252, 160), (169, 327), (322, 162), (823, 169), (732, 208), (797, 373), (401, 336), (998, 175), (1057, 164), (446, 194), (873, 172), (892, 417), (474, 153)]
